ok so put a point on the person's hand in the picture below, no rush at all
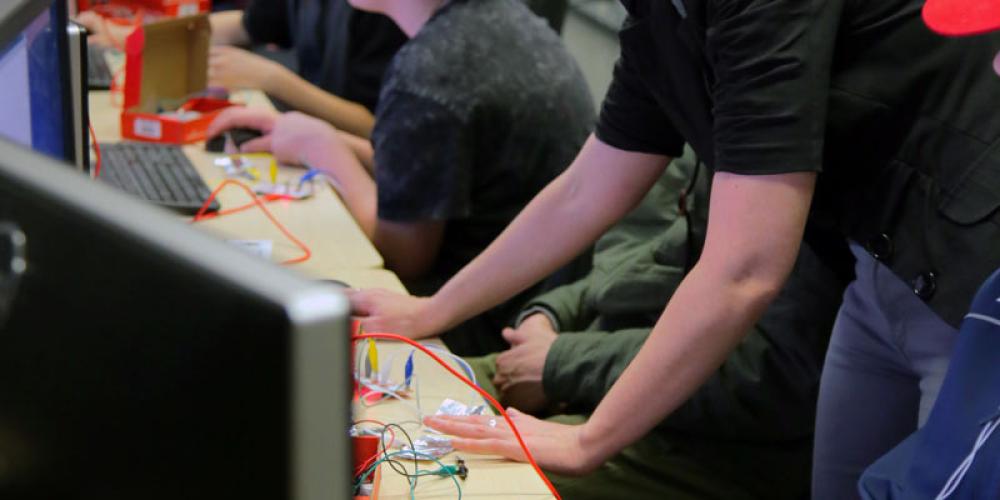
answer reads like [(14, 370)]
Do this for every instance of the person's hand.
[(240, 117), (235, 68), (103, 32), (293, 138), (534, 326), (556, 447), (384, 311), (519, 369)]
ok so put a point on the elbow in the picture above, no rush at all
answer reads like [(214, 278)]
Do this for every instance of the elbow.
[(760, 288), (753, 283)]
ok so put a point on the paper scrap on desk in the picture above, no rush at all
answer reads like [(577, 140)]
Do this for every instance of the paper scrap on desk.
[(428, 444), (260, 248), (454, 408), (299, 192), (237, 166)]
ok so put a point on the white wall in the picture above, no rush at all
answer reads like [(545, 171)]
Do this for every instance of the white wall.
[(590, 33)]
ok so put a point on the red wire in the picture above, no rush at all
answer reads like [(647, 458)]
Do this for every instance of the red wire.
[(306, 253), (531, 459), (266, 199), (116, 87), (97, 150)]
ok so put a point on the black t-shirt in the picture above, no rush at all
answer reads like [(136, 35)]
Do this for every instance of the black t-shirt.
[(750, 87), (339, 49), (478, 112), (898, 120)]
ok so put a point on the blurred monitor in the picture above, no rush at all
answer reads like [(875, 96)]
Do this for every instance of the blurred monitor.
[(35, 80), (141, 359)]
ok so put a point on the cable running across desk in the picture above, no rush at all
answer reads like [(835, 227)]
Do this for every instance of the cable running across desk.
[(306, 252), (484, 394)]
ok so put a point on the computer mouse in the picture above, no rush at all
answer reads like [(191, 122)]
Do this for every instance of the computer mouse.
[(241, 135), (237, 136), (216, 144)]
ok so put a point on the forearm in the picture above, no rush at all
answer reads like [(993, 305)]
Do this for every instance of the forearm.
[(355, 187), (227, 28), (566, 217), (738, 275), (362, 148), (689, 342), (303, 96)]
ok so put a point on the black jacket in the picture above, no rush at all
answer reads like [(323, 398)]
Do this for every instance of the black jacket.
[(900, 122)]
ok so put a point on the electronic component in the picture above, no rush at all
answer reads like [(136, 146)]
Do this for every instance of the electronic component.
[(460, 469)]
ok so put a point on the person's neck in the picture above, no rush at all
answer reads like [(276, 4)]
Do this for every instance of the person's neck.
[(412, 15)]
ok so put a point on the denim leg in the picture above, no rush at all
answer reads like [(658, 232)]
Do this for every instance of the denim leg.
[(868, 395), (923, 338)]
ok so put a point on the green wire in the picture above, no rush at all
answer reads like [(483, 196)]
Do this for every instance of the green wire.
[(444, 469)]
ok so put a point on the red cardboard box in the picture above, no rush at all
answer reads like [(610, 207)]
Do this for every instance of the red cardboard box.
[(167, 62), (172, 8), (177, 8)]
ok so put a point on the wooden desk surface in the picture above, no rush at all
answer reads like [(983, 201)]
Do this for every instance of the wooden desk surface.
[(341, 251), (489, 476), (321, 222)]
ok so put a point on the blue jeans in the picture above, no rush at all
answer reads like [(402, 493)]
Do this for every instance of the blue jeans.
[(887, 358)]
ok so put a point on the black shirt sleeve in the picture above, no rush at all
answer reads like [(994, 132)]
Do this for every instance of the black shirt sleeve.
[(374, 41), (630, 117), (771, 62), (414, 181), (267, 21)]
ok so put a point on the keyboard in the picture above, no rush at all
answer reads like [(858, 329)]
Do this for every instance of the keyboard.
[(158, 173), (99, 75)]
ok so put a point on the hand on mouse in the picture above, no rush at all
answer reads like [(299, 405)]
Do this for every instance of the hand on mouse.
[(293, 138), (240, 117)]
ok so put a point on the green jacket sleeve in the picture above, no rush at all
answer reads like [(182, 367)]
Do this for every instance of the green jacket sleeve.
[(765, 390), (569, 304), (581, 366)]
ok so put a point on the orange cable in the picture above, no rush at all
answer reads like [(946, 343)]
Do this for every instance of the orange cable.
[(266, 198), (97, 150), (527, 453), (306, 253)]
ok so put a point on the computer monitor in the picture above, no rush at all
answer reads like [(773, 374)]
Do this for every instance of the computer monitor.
[(35, 81), (140, 358)]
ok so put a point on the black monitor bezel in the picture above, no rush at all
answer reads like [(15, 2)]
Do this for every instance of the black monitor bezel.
[(15, 16)]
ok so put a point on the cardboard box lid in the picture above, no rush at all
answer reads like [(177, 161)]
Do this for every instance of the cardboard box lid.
[(166, 60)]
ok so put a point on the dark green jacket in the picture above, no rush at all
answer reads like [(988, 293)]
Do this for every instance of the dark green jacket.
[(765, 391)]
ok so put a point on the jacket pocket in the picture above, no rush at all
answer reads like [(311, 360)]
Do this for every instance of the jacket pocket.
[(972, 195)]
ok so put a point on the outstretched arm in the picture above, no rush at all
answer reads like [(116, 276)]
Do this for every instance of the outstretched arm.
[(294, 138), (754, 232), (600, 187)]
